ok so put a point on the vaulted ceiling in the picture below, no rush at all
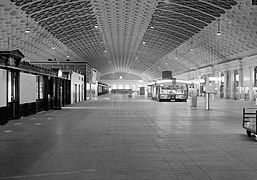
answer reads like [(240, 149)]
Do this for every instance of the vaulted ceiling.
[(143, 37)]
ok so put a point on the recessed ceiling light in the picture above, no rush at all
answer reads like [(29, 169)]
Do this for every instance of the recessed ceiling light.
[(143, 42), (152, 27), (27, 26), (8, 131), (96, 26)]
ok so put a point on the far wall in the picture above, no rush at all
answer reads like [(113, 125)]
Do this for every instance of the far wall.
[(125, 84)]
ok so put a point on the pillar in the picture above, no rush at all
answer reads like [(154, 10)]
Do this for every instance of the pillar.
[(232, 84), (240, 72), (218, 85), (251, 94), (225, 84)]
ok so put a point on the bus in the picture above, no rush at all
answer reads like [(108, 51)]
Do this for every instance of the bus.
[(169, 90)]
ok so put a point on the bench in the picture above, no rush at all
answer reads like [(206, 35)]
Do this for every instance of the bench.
[(249, 120)]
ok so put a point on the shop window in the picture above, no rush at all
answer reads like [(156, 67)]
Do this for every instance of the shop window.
[(11, 86), (37, 94), (40, 87)]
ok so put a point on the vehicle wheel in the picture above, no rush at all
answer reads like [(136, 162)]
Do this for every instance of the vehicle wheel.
[(248, 133)]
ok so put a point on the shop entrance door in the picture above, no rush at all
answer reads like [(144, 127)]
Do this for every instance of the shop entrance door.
[(13, 95)]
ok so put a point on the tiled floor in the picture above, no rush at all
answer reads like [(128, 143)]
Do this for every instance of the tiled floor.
[(116, 137)]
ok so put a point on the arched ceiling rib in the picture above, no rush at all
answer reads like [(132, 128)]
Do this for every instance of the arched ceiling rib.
[(139, 36)]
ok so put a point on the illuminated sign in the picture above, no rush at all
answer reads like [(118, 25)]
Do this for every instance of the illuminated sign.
[(214, 78), (59, 73)]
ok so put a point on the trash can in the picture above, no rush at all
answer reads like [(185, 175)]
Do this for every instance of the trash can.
[(207, 101), (193, 101)]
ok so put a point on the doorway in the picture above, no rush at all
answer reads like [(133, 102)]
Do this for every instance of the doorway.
[(13, 94)]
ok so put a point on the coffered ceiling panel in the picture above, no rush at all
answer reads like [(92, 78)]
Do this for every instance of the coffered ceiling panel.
[(142, 37)]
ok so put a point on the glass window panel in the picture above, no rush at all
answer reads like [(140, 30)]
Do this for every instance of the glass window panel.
[(9, 87), (41, 87)]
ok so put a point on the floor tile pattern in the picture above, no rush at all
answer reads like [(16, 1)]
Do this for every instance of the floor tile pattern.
[(119, 138)]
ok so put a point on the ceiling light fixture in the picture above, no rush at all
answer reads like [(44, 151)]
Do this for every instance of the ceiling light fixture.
[(166, 60), (191, 45), (143, 42), (218, 31), (27, 26), (152, 27), (53, 47), (96, 26)]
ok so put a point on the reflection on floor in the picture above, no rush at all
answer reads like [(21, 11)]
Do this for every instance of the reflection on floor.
[(116, 137)]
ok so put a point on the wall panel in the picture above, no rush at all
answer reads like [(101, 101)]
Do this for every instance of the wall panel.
[(2, 87)]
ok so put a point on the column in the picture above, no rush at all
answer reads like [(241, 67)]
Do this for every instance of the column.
[(240, 83), (218, 85), (232, 84), (225, 84), (251, 95)]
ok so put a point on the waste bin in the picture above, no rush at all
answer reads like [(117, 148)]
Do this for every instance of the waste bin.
[(207, 101), (193, 101)]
